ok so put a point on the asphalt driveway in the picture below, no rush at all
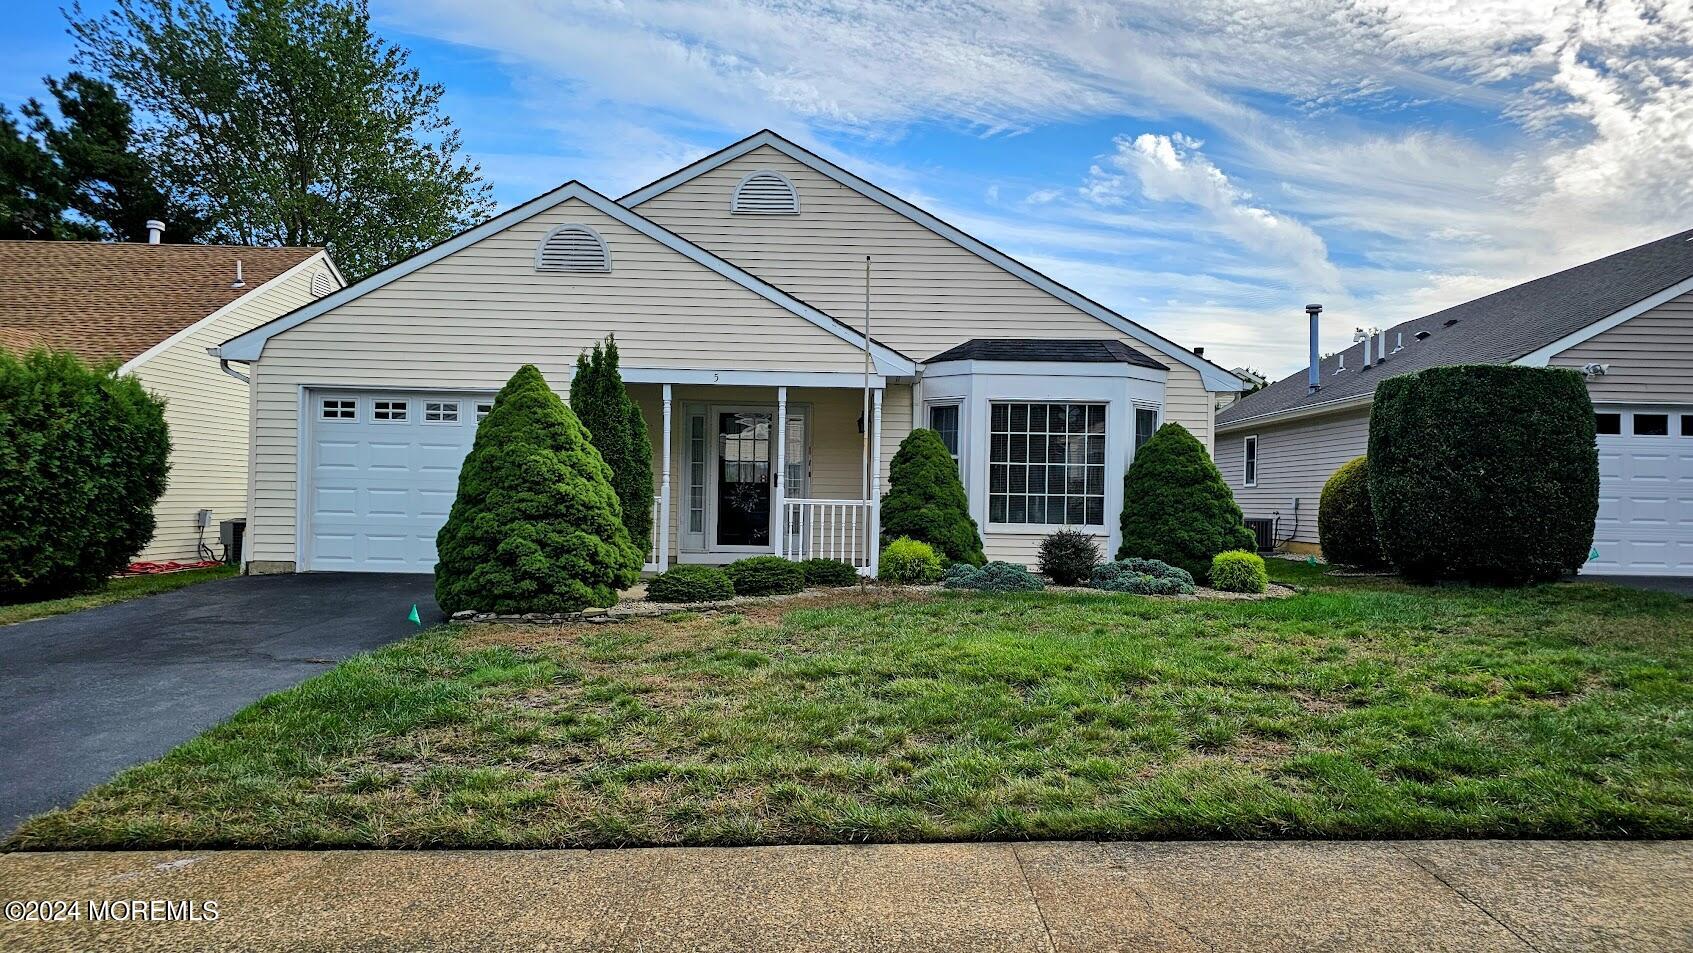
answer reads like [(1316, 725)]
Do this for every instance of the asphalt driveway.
[(87, 694)]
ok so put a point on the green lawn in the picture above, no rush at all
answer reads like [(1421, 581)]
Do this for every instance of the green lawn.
[(1359, 708), (117, 590)]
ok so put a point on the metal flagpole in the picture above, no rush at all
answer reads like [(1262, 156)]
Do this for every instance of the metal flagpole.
[(864, 426)]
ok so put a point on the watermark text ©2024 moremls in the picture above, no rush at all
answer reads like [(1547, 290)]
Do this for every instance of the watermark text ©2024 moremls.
[(112, 910)]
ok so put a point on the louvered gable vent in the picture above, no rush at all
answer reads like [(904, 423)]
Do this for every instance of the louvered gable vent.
[(575, 248), (765, 193), (321, 285)]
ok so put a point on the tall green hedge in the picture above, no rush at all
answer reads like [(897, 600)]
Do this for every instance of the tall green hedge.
[(1176, 507), (536, 525), (1484, 473), (926, 502), (84, 455), (619, 433), (1346, 523)]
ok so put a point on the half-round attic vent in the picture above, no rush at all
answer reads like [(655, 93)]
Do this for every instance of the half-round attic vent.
[(765, 193), (575, 248), (321, 285)]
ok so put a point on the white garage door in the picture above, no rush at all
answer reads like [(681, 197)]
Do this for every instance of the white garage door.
[(1645, 524), (381, 473)]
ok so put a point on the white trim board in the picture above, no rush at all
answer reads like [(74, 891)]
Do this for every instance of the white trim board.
[(1216, 379), (1297, 413), (1540, 357), (249, 346)]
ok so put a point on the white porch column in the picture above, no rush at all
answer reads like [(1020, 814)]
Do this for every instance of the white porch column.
[(664, 492), (876, 482), (779, 479)]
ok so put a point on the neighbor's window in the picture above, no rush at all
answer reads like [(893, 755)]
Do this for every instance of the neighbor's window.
[(388, 410), (1651, 425), (1046, 464), (1607, 423), (441, 411), (1146, 424), (943, 419), (1251, 469), (335, 409)]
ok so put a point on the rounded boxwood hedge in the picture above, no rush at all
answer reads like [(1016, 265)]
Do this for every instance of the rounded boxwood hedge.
[(1484, 473), (690, 583), (535, 526), (828, 573), (765, 576), (909, 561), (83, 458), (1239, 571), (1176, 507), (1067, 556), (1346, 523), (926, 502)]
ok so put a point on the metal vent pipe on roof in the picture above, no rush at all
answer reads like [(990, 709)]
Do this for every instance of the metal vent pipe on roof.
[(155, 231), (1314, 382)]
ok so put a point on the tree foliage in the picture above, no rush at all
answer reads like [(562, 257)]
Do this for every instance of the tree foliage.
[(1346, 523), (619, 432), (84, 456), (1176, 507), (290, 122), (536, 526), (925, 500)]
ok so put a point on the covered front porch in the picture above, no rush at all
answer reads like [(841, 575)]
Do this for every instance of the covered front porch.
[(784, 465)]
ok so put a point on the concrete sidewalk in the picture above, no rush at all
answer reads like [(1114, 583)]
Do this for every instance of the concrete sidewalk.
[(1407, 896)]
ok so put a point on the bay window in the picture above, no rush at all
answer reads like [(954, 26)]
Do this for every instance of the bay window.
[(1046, 463)]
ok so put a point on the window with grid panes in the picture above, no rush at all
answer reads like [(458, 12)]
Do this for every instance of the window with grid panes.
[(1046, 463)]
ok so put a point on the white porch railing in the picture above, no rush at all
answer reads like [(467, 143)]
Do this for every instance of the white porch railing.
[(828, 529), (655, 540)]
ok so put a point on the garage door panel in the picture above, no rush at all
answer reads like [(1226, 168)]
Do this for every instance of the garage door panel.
[(1645, 521)]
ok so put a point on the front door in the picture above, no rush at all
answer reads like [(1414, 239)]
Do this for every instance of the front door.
[(745, 445)]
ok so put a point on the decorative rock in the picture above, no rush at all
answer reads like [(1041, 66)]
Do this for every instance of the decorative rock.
[(536, 617), (599, 619), (593, 611), (485, 617), (464, 615)]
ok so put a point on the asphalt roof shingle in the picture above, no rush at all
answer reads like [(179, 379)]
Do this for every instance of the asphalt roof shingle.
[(1493, 329), (109, 300), (1058, 350)]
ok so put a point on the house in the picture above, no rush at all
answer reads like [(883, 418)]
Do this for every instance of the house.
[(152, 310), (1625, 321), (738, 289)]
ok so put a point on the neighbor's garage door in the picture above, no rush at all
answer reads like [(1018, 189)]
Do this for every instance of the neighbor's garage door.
[(1645, 522), (381, 473)]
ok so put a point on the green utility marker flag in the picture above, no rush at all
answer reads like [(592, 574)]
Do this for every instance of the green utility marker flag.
[(1310, 560), (414, 618), (1593, 554)]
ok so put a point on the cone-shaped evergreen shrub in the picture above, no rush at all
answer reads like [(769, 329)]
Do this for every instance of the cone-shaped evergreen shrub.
[(619, 433), (83, 458), (925, 500), (1176, 506), (536, 526), (1484, 473), (1346, 523)]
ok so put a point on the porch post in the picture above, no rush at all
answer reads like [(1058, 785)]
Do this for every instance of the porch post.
[(876, 483), (664, 492), (778, 482)]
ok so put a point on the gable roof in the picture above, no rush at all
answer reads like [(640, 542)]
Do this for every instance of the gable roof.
[(1215, 377), (248, 346), (1054, 350), (108, 300), (1505, 327)]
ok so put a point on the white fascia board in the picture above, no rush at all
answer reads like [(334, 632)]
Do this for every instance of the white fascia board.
[(1543, 356), (319, 258), (1296, 413), (249, 346), (1216, 379)]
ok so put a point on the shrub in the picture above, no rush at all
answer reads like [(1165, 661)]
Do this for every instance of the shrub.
[(1144, 577), (993, 577), (909, 561), (690, 583), (535, 526), (830, 573), (1484, 473), (1239, 571), (1068, 555), (83, 457), (765, 576), (1176, 507), (1346, 523), (619, 433), (926, 502)]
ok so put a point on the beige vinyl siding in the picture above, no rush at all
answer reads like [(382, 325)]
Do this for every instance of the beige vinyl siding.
[(928, 293), (206, 410), (471, 319), (1650, 356), (1294, 461)]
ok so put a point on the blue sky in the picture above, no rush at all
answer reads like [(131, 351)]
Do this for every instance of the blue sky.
[(1206, 168)]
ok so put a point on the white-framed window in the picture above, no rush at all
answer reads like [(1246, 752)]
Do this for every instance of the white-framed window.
[(1046, 463), (391, 411), (1250, 463), (696, 473), (765, 192), (483, 409), (1146, 424), (573, 248), (338, 408), (943, 419), (440, 411)]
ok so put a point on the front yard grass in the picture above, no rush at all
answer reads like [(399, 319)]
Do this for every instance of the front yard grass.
[(1359, 708), (116, 590)]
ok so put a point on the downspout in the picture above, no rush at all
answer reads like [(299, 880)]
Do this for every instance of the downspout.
[(223, 365)]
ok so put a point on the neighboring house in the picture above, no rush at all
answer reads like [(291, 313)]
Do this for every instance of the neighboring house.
[(736, 288), (1625, 320), (153, 310)]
